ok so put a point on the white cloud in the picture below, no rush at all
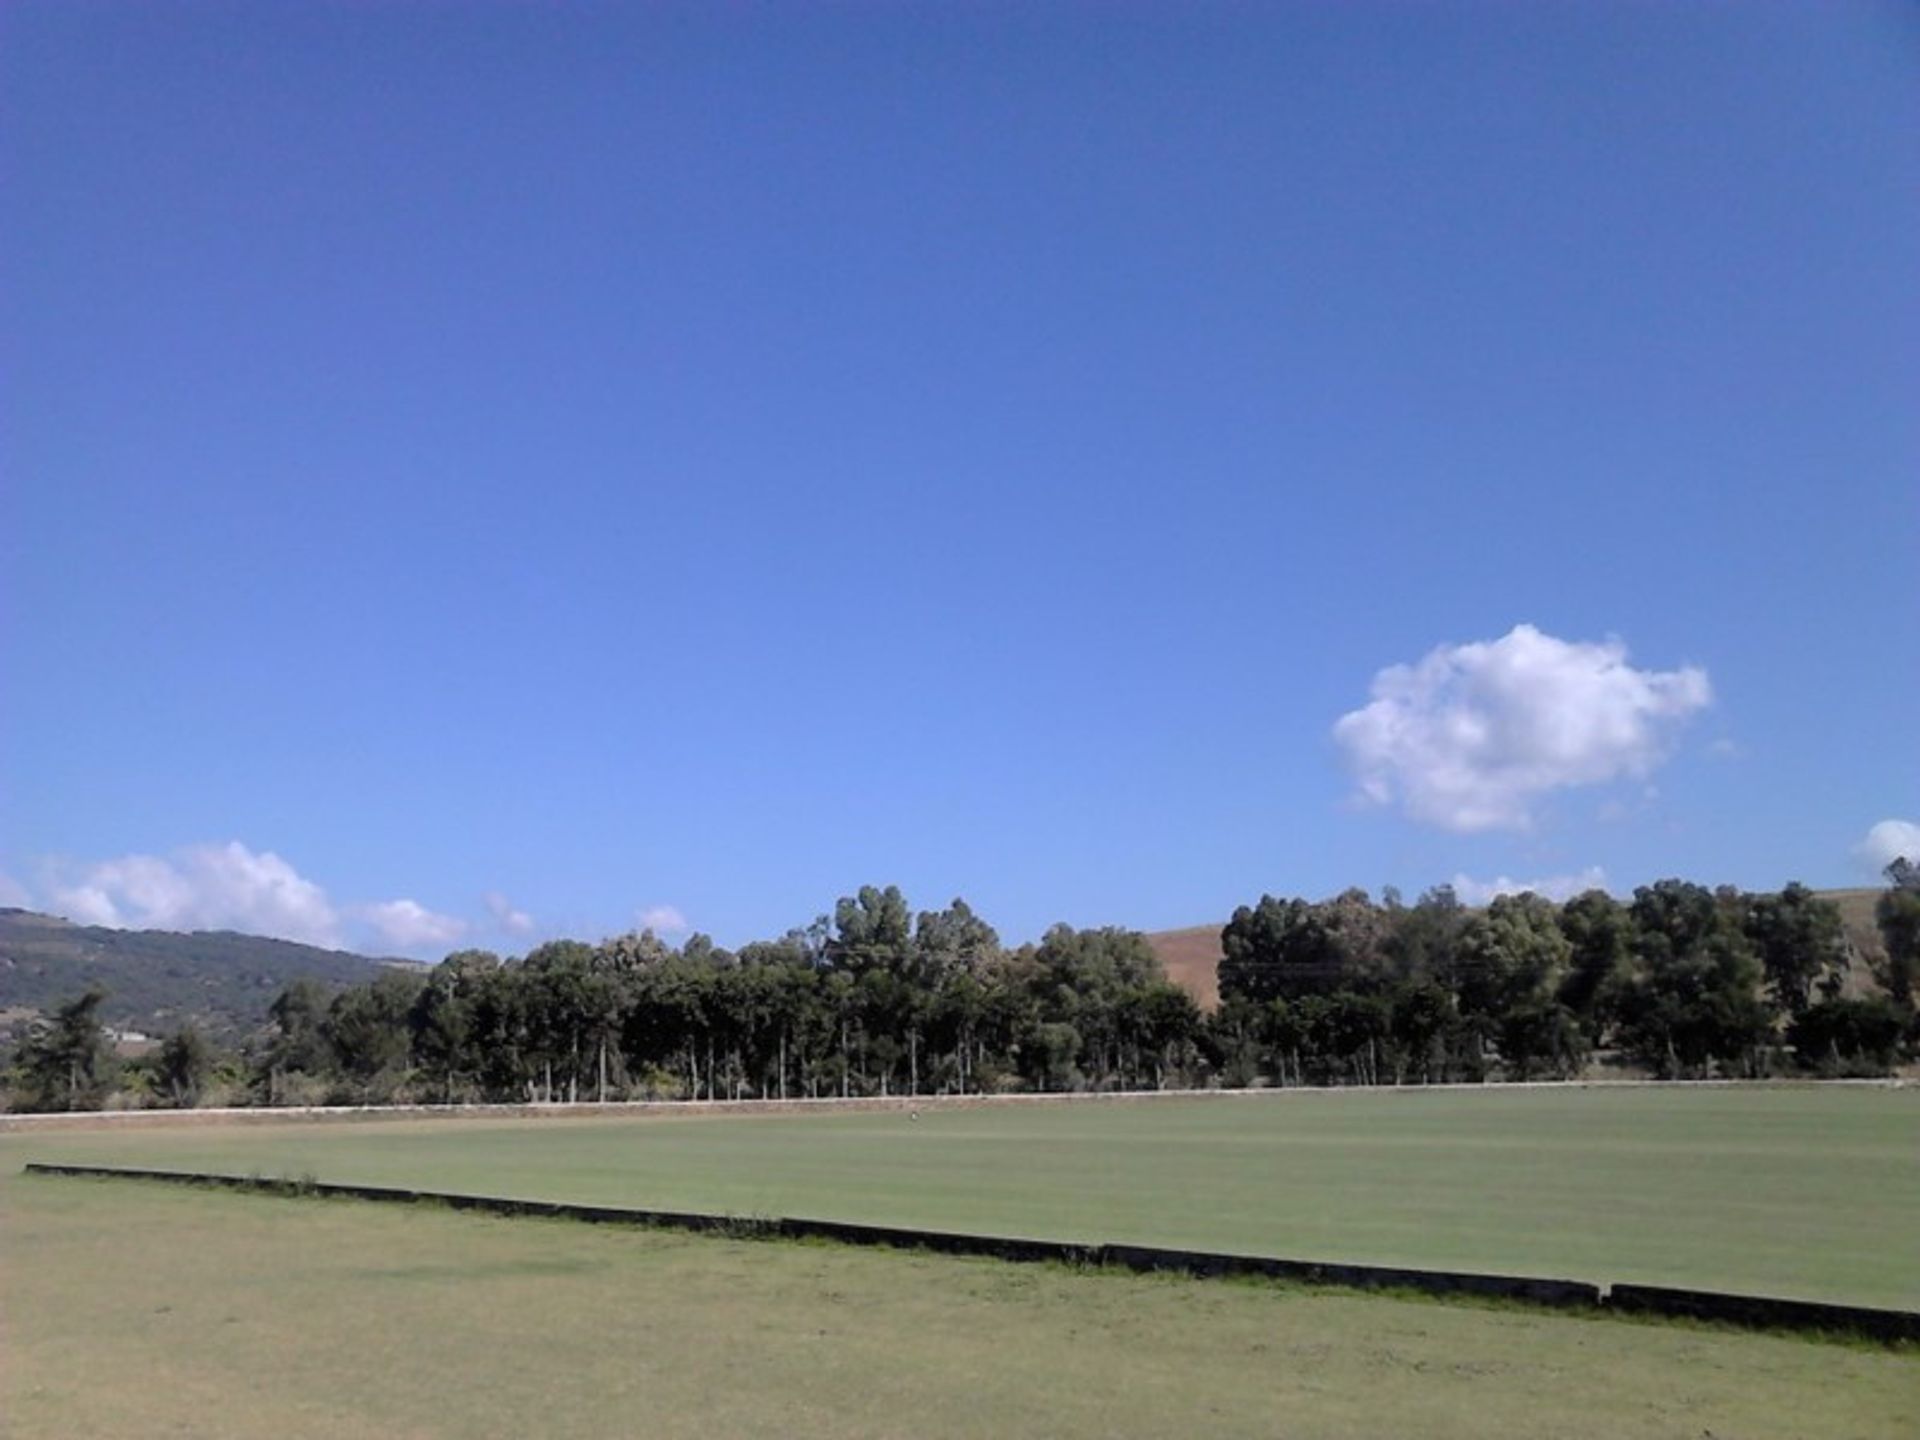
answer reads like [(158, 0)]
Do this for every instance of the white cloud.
[(13, 893), (203, 887), (505, 917), (663, 920), (1554, 887), (1887, 842), (409, 925), (1473, 734)]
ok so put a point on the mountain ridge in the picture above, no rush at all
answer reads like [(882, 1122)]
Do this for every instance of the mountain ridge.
[(159, 980)]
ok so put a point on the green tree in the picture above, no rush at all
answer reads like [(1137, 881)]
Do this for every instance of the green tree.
[(1509, 954), (297, 1044), (66, 1062), (1423, 1016), (562, 1008), (953, 941), (1420, 937), (1846, 1036), (1692, 1001), (1157, 1024), (1599, 935), (183, 1066), (1279, 950), (1799, 939), (1047, 1054), (1539, 1037), (368, 1030), (872, 930), (1897, 913), (445, 1014)]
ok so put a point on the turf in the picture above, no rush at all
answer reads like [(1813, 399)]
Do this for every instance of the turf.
[(135, 1310), (1799, 1192)]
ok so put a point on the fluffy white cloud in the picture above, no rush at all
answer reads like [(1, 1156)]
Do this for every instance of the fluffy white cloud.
[(1554, 887), (1887, 842), (13, 893), (1473, 734), (409, 925), (664, 920), (505, 917), (204, 887)]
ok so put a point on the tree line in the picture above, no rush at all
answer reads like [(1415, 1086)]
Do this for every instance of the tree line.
[(1680, 981)]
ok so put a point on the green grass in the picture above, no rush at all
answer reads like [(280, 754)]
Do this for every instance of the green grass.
[(131, 1310), (1798, 1192)]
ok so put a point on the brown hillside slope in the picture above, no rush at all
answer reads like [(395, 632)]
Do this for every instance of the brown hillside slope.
[(1191, 957)]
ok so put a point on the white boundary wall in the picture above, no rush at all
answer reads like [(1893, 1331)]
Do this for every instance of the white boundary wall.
[(264, 1115)]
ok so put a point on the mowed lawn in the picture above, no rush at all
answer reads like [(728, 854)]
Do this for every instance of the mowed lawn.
[(133, 1310), (1793, 1191)]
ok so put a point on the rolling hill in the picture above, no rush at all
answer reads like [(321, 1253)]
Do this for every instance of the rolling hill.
[(156, 980)]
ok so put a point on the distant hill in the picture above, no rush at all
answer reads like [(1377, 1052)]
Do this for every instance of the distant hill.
[(157, 980), (1191, 957)]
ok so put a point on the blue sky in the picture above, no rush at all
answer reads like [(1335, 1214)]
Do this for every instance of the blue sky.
[(471, 473)]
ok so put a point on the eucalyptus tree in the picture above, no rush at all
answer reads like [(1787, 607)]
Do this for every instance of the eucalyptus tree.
[(369, 1031), (1599, 934), (1287, 949), (444, 1018), (183, 1066), (296, 1043), (1691, 1001), (872, 930), (65, 1062), (1897, 914), (1801, 942)]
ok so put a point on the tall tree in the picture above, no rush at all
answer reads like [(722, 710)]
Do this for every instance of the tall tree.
[(1692, 1000), (873, 930), (953, 941), (1897, 913), (369, 1029), (445, 1014), (1420, 937), (183, 1066), (1599, 935), (1284, 949), (1800, 940), (66, 1062)]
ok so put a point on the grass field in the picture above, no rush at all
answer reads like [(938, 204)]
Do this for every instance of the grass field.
[(1798, 1192), (130, 1310)]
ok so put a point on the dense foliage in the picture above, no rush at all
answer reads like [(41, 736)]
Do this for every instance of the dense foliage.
[(1682, 981)]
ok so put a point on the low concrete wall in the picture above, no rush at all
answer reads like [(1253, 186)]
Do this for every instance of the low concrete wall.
[(587, 1109), (1763, 1312), (1757, 1312)]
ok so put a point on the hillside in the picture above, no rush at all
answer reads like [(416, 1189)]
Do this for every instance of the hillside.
[(1192, 956), (157, 979)]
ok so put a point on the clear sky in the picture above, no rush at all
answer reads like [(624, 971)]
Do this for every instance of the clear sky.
[(471, 473)]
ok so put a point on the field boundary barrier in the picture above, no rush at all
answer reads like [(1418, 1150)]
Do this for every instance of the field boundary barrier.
[(1747, 1311), (27, 1120)]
